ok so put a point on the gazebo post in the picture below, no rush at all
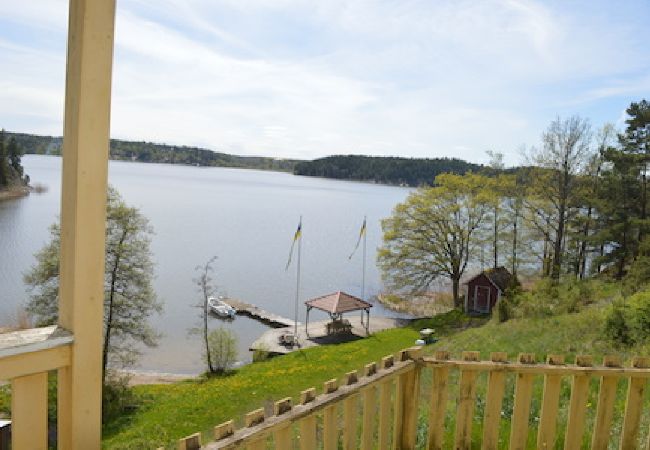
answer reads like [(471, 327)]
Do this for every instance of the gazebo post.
[(367, 322), (307, 321)]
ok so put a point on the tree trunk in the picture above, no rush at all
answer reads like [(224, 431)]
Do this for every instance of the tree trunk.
[(514, 245), (455, 288), (205, 329), (495, 238), (109, 314)]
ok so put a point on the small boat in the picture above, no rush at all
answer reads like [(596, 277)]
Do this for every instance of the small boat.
[(221, 308)]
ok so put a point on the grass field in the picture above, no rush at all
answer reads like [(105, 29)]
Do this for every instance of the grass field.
[(168, 412), (173, 411)]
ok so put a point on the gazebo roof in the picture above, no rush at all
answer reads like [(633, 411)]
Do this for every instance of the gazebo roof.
[(338, 302)]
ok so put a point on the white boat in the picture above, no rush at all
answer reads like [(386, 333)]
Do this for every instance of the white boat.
[(221, 308)]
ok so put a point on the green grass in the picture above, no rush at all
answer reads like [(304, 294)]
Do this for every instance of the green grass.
[(170, 412)]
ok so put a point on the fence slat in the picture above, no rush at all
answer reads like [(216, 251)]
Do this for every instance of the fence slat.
[(282, 435), (330, 432), (406, 401), (29, 412), (192, 442), (605, 409), (634, 406), (307, 425), (350, 414), (466, 401), (369, 410), (577, 406), (494, 401), (384, 414), (438, 407), (521, 410), (546, 431)]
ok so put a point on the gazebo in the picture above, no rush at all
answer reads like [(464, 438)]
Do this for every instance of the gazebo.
[(336, 304)]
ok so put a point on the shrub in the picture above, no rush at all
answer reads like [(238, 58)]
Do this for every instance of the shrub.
[(223, 349), (616, 326), (628, 322), (117, 397)]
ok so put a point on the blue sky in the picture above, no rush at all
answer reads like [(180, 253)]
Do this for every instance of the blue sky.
[(304, 79)]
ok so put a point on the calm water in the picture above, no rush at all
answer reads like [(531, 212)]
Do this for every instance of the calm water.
[(247, 218)]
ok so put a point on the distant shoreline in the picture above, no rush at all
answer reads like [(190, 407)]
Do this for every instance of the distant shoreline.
[(14, 192)]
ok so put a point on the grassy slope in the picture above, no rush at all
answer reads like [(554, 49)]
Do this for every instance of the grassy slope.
[(174, 411)]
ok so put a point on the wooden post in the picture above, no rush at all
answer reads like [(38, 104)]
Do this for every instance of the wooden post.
[(466, 401), (192, 442), (369, 410), (521, 410), (282, 435), (330, 433), (385, 389), (438, 403), (634, 406), (550, 404), (578, 406), (250, 420), (308, 424), (29, 412), (350, 414), (493, 402), (605, 409), (406, 403), (83, 218)]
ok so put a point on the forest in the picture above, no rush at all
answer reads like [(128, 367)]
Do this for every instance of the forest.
[(387, 170), (158, 153), (579, 208)]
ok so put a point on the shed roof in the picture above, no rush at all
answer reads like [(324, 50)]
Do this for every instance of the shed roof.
[(338, 302), (499, 276)]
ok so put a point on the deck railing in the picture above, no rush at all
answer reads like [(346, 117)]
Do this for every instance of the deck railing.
[(381, 409), (26, 357)]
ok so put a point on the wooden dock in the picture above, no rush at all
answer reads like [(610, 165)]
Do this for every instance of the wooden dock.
[(271, 319)]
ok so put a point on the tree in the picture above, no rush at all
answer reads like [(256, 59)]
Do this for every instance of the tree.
[(14, 153), (431, 234), (129, 298), (553, 188), (623, 193), (4, 167), (222, 349), (207, 290)]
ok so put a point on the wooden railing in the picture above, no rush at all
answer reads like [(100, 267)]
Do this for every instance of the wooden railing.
[(382, 408), (26, 357)]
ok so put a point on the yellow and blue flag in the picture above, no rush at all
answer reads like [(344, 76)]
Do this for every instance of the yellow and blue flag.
[(296, 236), (362, 232)]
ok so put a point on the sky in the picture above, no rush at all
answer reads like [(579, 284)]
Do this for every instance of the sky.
[(307, 78)]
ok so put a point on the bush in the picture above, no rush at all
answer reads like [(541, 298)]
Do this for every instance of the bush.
[(117, 397), (223, 349), (628, 322), (616, 326)]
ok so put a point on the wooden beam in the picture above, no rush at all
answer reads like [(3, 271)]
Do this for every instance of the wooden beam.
[(83, 217), (35, 362), (29, 412)]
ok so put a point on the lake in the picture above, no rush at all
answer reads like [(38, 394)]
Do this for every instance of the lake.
[(247, 218)]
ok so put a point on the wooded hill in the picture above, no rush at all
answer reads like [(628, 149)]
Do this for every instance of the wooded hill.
[(389, 170), (158, 153)]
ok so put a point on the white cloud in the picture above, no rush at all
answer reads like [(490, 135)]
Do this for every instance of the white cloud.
[(298, 78)]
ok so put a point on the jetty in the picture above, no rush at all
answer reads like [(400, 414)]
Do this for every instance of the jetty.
[(254, 312)]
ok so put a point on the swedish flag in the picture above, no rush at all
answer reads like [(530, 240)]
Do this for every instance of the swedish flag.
[(296, 236), (362, 232)]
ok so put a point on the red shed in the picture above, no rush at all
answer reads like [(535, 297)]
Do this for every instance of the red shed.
[(485, 289)]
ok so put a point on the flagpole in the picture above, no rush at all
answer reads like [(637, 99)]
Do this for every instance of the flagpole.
[(295, 326), (363, 272)]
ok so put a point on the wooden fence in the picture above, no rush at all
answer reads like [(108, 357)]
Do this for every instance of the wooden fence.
[(381, 410)]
